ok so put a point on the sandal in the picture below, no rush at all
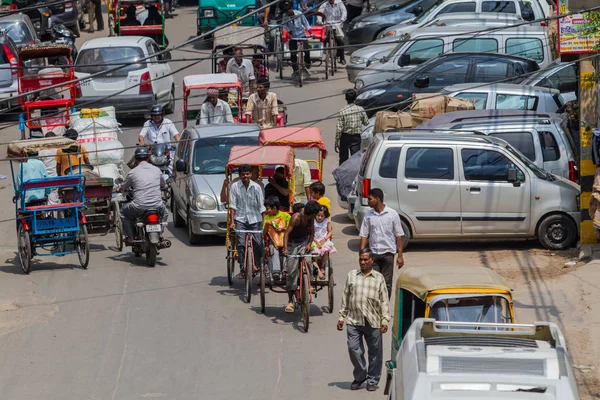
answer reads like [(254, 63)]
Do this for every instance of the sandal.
[(290, 308)]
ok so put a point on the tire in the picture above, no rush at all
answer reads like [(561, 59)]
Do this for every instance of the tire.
[(300, 76), (193, 238), (249, 268), (557, 232), (326, 65), (305, 302), (118, 226), (263, 282), (83, 247), (407, 235), (170, 108), (230, 269), (151, 255), (279, 54), (178, 221), (24, 247), (330, 287)]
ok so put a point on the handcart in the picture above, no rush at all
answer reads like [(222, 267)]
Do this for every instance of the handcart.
[(46, 229)]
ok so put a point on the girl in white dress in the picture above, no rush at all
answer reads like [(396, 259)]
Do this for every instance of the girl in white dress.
[(322, 244)]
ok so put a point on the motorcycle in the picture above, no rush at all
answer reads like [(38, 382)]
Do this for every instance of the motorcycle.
[(160, 156), (62, 35)]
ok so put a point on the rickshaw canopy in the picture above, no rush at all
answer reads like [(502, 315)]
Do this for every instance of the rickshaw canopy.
[(20, 148), (44, 50), (295, 137), (205, 81), (420, 281), (240, 36), (262, 155)]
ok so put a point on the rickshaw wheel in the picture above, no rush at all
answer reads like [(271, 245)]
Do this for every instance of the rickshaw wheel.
[(83, 247), (263, 280), (118, 226), (305, 300), (151, 255), (249, 269), (330, 286), (230, 268), (24, 244)]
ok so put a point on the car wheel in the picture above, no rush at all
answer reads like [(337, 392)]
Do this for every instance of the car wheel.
[(170, 108), (406, 238), (178, 222), (557, 232), (194, 239)]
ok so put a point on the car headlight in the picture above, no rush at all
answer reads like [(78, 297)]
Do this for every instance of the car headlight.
[(358, 60), (388, 34), (362, 24), (205, 202), (208, 13), (359, 84), (370, 93)]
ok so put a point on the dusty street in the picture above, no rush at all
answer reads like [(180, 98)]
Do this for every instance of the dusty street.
[(120, 330)]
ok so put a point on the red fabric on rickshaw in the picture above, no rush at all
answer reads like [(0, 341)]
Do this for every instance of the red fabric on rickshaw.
[(318, 32), (261, 155), (293, 136)]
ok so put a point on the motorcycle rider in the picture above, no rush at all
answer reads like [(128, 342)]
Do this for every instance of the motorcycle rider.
[(159, 130), (145, 182)]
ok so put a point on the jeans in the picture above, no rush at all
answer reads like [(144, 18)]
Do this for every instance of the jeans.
[(129, 212), (356, 350), (348, 143), (384, 264), (293, 264), (294, 54), (257, 238)]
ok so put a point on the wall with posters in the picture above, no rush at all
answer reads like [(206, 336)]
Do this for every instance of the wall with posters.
[(570, 38)]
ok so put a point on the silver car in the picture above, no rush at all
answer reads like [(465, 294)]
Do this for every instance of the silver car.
[(200, 160), (507, 96), (380, 48), (561, 76)]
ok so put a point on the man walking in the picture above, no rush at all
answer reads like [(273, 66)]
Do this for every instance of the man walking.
[(382, 231), (349, 127), (366, 311)]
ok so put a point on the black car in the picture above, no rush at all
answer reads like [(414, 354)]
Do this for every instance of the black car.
[(446, 70), (366, 27)]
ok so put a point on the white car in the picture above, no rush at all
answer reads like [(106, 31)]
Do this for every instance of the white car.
[(145, 80)]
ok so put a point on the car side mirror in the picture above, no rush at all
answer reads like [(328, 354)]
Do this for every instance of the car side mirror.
[(422, 82), (404, 60), (180, 166), (416, 10), (514, 178)]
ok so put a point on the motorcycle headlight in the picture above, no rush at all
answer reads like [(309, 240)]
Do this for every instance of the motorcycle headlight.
[(159, 160), (208, 13), (205, 202), (358, 60), (370, 93), (359, 84)]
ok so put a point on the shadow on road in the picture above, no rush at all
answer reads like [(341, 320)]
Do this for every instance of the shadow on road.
[(127, 256), (182, 236), (341, 385), (13, 266), (280, 317)]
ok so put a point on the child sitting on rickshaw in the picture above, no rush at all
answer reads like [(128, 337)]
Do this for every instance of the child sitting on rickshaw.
[(275, 225), (322, 245)]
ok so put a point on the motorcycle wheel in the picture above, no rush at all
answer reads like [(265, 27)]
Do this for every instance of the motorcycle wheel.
[(151, 255)]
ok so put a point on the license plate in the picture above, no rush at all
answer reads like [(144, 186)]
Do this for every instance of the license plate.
[(153, 228)]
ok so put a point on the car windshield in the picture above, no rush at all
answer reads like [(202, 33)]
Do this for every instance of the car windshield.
[(17, 31), (92, 61), (487, 309), (212, 154), (540, 173), (427, 12)]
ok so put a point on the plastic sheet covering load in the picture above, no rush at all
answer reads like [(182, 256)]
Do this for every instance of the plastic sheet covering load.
[(345, 174), (104, 152), (104, 127), (20, 148), (114, 171), (386, 120)]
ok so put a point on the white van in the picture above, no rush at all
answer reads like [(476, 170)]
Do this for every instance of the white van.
[(427, 43), (462, 360)]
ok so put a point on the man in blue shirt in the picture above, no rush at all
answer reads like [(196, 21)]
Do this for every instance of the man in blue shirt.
[(295, 23), (29, 169)]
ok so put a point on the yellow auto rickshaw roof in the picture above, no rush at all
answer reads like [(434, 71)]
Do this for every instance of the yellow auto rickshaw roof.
[(422, 280)]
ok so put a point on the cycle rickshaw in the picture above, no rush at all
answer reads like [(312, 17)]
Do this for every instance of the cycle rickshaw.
[(152, 26), (244, 37), (47, 229), (48, 71)]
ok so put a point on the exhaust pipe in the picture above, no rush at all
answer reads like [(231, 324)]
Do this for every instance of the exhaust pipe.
[(165, 244)]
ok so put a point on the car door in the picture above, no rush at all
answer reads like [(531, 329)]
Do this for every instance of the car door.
[(420, 51), (429, 189), (179, 178), (164, 72), (156, 70), (490, 204)]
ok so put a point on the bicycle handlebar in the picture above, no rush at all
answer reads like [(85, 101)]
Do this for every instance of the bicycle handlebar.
[(245, 231)]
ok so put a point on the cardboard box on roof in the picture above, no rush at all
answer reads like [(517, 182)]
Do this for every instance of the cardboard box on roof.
[(455, 104), (427, 105), (385, 120), (418, 121)]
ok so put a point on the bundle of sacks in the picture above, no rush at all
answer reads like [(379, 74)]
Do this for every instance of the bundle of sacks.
[(99, 133), (424, 107)]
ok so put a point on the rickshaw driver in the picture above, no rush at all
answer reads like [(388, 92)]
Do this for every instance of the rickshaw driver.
[(145, 182), (214, 110), (159, 130)]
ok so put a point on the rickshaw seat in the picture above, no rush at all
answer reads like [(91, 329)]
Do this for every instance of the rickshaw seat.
[(318, 32), (142, 30), (314, 174), (280, 120), (55, 206)]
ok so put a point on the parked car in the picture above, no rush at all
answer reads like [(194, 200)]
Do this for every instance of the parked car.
[(380, 48), (537, 135), (448, 186), (508, 96), (368, 26), (9, 60), (132, 90), (454, 360), (527, 10), (558, 75), (20, 29), (445, 70), (427, 43), (200, 160)]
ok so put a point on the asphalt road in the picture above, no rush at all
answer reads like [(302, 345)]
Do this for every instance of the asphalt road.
[(120, 330)]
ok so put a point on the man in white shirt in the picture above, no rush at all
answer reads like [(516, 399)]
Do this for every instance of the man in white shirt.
[(158, 129), (48, 157), (243, 68), (214, 110), (335, 15)]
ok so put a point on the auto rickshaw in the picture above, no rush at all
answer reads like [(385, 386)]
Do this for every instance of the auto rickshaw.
[(298, 138), (213, 13), (450, 294), (201, 83), (47, 88), (150, 22)]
